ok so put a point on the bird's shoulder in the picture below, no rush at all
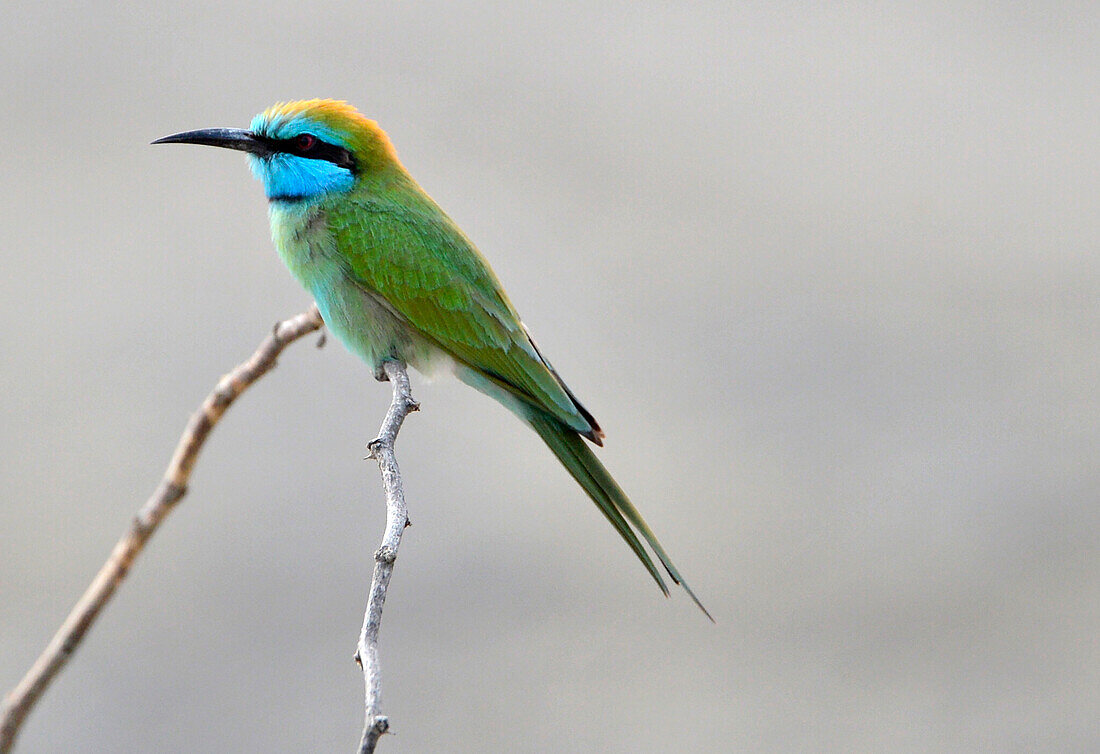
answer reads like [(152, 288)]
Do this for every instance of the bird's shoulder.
[(412, 254), (409, 244)]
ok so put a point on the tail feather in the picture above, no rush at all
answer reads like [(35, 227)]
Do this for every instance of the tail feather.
[(585, 467), (558, 438)]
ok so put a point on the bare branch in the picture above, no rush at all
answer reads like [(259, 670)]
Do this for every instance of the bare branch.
[(171, 490), (397, 518)]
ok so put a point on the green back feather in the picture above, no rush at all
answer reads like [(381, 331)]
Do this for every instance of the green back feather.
[(408, 251)]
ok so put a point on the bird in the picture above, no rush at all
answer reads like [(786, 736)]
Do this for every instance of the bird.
[(395, 278)]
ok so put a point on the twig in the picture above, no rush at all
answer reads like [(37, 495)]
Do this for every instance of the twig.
[(171, 490), (397, 518)]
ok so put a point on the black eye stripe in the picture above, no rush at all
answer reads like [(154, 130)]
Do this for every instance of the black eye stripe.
[(319, 150)]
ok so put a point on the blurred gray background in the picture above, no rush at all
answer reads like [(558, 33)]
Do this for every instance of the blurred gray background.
[(828, 278)]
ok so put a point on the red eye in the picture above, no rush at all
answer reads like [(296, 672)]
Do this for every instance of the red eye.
[(306, 142)]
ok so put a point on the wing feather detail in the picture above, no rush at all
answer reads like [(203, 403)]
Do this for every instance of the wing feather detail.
[(428, 271)]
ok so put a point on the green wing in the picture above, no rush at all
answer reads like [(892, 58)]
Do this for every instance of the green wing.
[(426, 268), (413, 256)]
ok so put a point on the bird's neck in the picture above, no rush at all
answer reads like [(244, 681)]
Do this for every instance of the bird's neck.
[(300, 228)]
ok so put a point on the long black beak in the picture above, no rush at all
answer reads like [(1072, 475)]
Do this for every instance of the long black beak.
[(227, 138)]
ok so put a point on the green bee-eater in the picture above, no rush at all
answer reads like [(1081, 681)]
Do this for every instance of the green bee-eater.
[(395, 278)]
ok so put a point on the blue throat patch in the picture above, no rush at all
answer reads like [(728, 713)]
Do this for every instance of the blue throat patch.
[(290, 178), (287, 177)]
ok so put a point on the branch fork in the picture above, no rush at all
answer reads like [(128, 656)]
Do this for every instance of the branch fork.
[(173, 487)]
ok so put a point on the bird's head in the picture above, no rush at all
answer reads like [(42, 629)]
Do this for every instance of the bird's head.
[(304, 150)]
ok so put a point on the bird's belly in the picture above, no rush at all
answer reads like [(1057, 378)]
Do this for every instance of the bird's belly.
[(363, 321), (369, 328)]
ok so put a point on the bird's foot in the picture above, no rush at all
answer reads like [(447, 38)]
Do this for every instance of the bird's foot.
[(380, 370)]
